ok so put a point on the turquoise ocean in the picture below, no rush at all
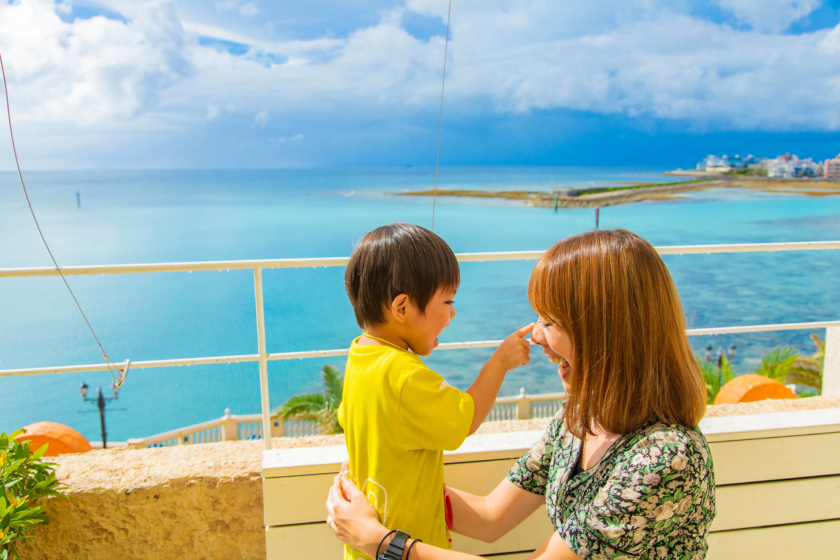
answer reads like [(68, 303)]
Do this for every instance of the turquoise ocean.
[(172, 216)]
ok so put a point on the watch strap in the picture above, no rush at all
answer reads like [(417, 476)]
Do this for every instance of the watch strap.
[(396, 547)]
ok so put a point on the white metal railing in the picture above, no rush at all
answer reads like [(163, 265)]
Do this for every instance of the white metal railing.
[(258, 265)]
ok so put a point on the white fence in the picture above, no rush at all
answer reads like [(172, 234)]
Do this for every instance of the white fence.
[(263, 356), (249, 426)]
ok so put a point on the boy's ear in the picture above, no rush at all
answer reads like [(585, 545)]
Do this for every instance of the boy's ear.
[(399, 308)]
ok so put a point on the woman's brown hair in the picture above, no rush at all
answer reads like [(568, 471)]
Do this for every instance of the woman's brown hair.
[(611, 293)]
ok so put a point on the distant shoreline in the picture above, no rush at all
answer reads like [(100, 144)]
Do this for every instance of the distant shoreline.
[(624, 194)]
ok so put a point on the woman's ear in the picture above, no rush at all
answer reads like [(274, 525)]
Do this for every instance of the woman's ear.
[(399, 308)]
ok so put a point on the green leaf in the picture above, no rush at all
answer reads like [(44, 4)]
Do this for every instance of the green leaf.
[(40, 453), (15, 465), (23, 479), (16, 433)]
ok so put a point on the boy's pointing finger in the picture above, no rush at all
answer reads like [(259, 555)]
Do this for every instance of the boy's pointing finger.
[(525, 331)]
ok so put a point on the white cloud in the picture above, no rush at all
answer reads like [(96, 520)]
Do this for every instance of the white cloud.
[(92, 70), (249, 9), (261, 119), (670, 67), (631, 57), (637, 59), (773, 16)]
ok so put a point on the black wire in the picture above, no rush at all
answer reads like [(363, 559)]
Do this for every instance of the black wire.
[(37, 225)]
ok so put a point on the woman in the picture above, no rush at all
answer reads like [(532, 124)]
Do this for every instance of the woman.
[(622, 468)]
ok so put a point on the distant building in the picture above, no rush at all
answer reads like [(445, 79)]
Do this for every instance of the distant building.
[(779, 167), (790, 166), (726, 163), (831, 168)]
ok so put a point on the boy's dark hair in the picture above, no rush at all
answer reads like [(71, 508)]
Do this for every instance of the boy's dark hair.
[(398, 259)]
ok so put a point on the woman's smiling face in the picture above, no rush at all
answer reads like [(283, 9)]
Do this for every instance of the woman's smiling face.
[(557, 346)]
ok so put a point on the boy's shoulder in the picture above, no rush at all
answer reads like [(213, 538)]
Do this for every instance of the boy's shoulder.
[(367, 356)]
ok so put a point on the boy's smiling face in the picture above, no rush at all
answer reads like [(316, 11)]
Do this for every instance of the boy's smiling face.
[(424, 328)]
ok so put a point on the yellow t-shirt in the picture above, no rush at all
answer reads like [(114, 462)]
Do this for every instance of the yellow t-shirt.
[(398, 417)]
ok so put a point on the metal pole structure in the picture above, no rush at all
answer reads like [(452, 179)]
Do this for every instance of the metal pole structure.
[(100, 402), (342, 261), (309, 354), (266, 411)]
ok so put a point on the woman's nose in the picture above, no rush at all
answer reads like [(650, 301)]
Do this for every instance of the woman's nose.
[(537, 335)]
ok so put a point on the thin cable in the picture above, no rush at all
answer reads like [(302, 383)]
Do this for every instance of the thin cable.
[(41, 233), (440, 119)]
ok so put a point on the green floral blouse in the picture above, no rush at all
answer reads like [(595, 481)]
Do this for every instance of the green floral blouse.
[(651, 496)]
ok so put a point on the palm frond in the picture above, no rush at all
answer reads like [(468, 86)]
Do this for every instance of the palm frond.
[(777, 363), (329, 423), (318, 407), (334, 383), (302, 404), (311, 416), (819, 354), (805, 378)]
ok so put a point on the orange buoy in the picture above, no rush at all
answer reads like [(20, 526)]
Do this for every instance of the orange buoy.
[(61, 439), (752, 387)]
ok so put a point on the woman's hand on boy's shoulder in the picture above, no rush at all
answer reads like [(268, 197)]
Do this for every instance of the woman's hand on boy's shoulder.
[(515, 350)]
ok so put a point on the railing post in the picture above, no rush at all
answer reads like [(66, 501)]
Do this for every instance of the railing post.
[(266, 411), (228, 427), (278, 431), (831, 368), (523, 406)]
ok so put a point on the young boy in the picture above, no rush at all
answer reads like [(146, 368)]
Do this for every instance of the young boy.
[(397, 414)]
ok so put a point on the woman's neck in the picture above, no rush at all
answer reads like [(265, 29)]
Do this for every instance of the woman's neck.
[(596, 447)]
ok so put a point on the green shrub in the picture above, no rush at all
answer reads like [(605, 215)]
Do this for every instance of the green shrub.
[(783, 364), (716, 374), (24, 478)]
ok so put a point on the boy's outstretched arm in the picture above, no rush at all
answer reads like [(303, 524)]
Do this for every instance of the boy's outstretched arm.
[(514, 351)]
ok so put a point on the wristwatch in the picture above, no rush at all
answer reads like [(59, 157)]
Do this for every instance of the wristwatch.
[(396, 547)]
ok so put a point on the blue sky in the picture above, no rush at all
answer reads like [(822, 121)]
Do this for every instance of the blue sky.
[(258, 84)]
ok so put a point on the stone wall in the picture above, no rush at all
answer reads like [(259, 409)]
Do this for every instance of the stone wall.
[(202, 501)]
